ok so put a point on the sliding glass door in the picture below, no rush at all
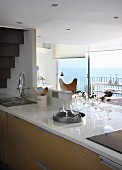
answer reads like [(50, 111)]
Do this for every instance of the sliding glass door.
[(68, 69), (106, 67)]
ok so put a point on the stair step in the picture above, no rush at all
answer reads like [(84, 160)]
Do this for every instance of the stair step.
[(5, 73), (7, 49), (3, 83), (7, 62), (10, 35), (10, 39)]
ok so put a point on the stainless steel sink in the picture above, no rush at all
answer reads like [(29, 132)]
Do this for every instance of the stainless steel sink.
[(15, 101)]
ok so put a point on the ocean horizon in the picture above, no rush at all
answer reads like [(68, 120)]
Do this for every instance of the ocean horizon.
[(94, 72)]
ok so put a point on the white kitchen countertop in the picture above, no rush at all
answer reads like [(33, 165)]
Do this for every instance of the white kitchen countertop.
[(77, 132)]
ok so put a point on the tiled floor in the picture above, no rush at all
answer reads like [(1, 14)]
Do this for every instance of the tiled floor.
[(4, 166)]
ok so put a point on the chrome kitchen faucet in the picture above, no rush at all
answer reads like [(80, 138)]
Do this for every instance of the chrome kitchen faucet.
[(21, 84)]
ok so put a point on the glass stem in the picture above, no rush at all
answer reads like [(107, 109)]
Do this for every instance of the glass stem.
[(66, 114), (108, 115)]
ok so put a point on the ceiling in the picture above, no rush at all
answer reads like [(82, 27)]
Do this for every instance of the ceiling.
[(89, 21)]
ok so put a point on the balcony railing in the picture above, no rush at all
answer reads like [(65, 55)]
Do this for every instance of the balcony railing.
[(82, 83)]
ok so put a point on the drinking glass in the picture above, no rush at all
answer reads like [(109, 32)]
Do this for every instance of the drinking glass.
[(76, 106), (86, 105), (97, 105), (67, 107), (107, 128), (108, 109)]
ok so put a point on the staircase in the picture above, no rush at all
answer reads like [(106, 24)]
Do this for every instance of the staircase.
[(10, 40)]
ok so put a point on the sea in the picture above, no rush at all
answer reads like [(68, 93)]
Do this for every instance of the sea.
[(94, 72)]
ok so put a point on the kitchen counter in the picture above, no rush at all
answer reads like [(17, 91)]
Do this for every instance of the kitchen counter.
[(77, 132)]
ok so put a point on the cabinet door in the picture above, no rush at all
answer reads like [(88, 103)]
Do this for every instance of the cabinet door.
[(58, 153), (41, 144), (2, 135), (15, 143), (73, 156), (32, 163)]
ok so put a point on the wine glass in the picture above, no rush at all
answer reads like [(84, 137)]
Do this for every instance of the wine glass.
[(97, 105), (76, 106), (67, 107), (86, 105), (108, 128), (108, 109)]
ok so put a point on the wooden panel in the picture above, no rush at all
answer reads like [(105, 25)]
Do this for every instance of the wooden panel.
[(15, 150), (74, 156), (59, 153), (9, 35), (3, 83), (41, 145), (3, 134), (5, 73), (12, 141), (7, 49), (32, 163), (7, 62)]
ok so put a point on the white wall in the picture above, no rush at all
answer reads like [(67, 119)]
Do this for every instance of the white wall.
[(26, 62), (47, 66)]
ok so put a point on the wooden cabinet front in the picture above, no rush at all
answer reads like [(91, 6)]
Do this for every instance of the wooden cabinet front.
[(29, 147), (15, 150), (32, 163), (75, 157), (58, 153), (3, 134), (41, 144)]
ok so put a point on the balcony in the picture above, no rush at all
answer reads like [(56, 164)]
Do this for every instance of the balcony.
[(98, 84)]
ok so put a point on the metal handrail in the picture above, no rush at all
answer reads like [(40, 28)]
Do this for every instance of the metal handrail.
[(82, 83)]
